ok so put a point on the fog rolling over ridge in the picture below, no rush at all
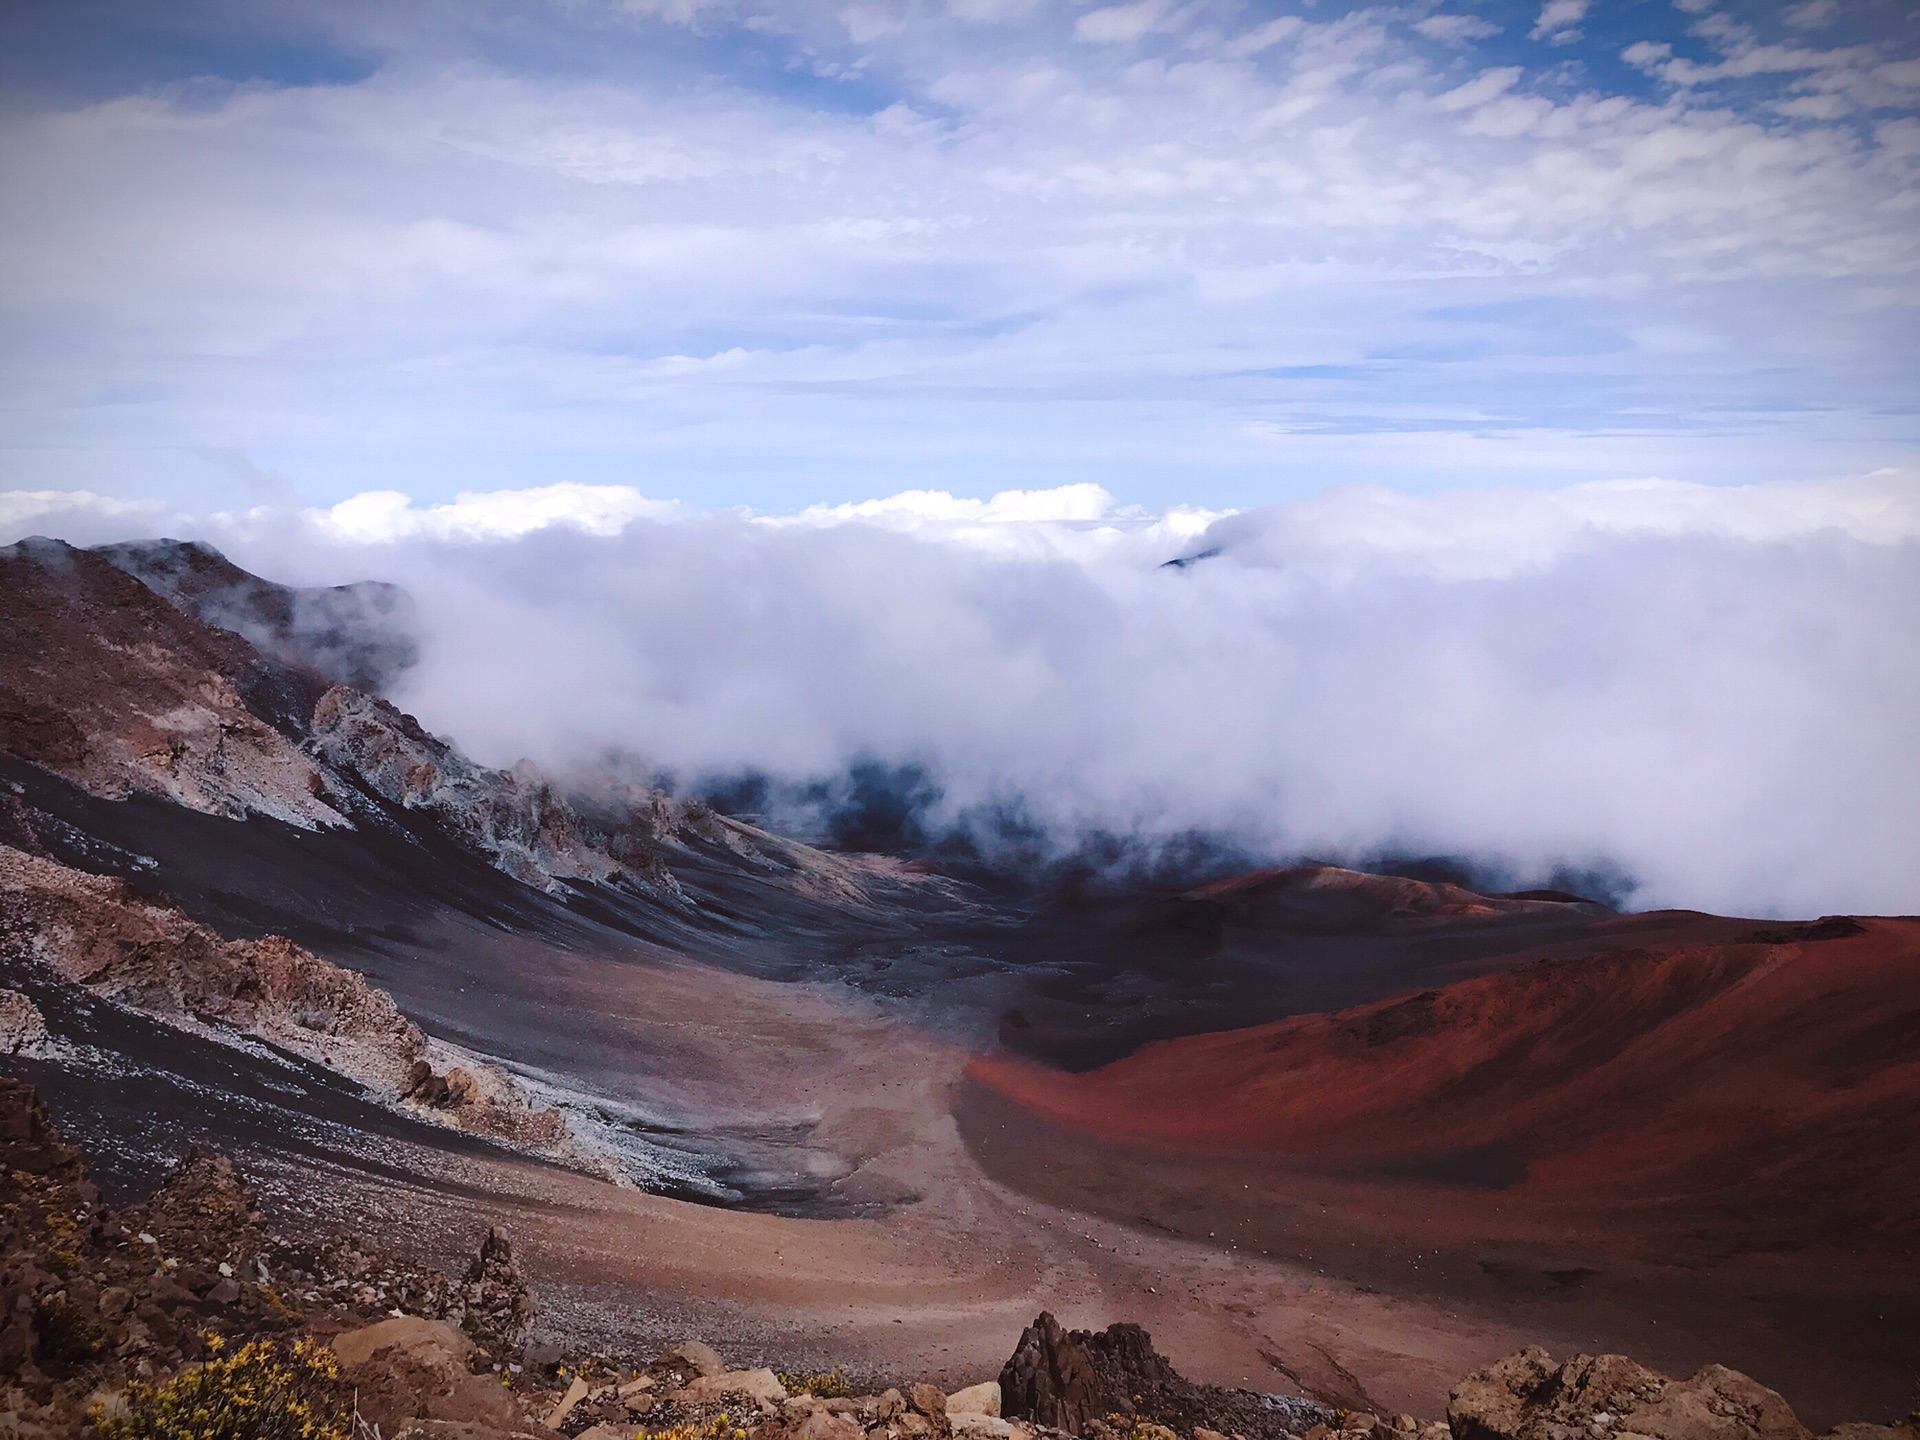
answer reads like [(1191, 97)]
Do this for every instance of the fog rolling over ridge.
[(1713, 692)]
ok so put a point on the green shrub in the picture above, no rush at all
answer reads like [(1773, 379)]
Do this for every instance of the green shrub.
[(260, 1392)]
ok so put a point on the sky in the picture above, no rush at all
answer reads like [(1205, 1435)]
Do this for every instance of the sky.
[(1467, 429), (752, 253)]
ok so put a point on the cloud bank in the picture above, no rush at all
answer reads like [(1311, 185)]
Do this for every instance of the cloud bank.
[(1712, 690)]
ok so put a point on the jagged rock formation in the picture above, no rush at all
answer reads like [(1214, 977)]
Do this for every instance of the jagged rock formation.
[(205, 1216), (95, 932), (360, 634), (1070, 1379), (497, 1310), (105, 683), (513, 817)]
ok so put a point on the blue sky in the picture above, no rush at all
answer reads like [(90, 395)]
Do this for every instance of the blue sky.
[(774, 255)]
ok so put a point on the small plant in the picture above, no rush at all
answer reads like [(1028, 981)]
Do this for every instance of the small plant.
[(260, 1392), (276, 1314), (1132, 1427), (69, 1337), (720, 1427), (828, 1385), (63, 1239)]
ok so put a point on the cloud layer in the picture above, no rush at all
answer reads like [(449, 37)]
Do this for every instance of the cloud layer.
[(1712, 690)]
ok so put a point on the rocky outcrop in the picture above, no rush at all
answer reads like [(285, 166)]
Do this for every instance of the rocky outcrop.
[(1530, 1396), (23, 1029), (96, 932), (91, 1296), (105, 683), (1071, 1379), (497, 1311), (360, 634), (515, 817)]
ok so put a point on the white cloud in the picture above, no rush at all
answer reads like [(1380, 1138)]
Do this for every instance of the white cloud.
[(1120, 24), (1645, 674), (1812, 14), (1456, 29), (1262, 37), (1487, 85), (385, 517), (80, 516), (1066, 503), (1559, 21)]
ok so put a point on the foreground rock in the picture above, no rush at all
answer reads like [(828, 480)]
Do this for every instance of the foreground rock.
[(93, 1298), (412, 1375), (1069, 1380), (1530, 1396)]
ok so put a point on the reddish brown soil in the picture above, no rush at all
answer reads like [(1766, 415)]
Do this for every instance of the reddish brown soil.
[(1672, 1150), (1785, 1076)]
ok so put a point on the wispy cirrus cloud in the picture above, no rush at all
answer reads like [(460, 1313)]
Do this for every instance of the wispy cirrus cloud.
[(783, 254)]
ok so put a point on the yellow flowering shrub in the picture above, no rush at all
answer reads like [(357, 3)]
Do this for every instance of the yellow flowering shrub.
[(830, 1385), (259, 1392), (721, 1427)]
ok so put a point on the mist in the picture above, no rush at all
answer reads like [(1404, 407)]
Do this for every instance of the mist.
[(1712, 693)]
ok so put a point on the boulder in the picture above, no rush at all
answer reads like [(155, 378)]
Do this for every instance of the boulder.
[(1530, 1396), (432, 1343), (981, 1399), (563, 1407), (1054, 1378), (930, 1401), (704, 1359), (407, 1368), (763, 1387)]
